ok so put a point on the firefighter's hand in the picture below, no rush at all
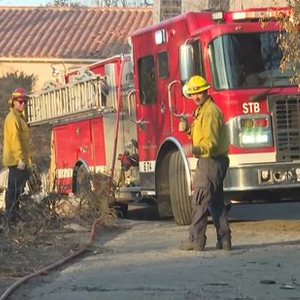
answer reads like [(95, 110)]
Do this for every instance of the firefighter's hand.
[(21, 165), (184, 125), (196, 151), (187, 149)]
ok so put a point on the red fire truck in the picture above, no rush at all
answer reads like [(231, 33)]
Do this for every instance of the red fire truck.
[(120, 116)]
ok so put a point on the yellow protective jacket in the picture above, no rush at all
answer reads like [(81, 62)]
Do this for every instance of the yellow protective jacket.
[(208, 130), (16, 139)]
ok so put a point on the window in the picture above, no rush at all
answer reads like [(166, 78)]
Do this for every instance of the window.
[(163, 64), (247, 60), (199, 69), (147, 85)]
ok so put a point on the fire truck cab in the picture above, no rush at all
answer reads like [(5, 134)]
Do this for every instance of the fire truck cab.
[(128, 108)]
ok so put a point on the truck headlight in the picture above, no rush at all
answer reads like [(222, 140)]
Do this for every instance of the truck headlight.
[(262, 138), (250, 131)]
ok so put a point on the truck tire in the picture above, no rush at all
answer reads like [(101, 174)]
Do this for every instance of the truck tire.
[(180, 199), (164, 208)]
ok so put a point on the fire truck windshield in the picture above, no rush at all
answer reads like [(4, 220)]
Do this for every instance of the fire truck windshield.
[(247, 60)]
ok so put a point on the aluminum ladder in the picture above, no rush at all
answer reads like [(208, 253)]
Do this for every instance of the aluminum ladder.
[(83, 93)]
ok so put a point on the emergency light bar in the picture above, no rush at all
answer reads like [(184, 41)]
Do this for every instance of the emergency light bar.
[(220, 16), (248, 15), (160, 37), (217, 16)]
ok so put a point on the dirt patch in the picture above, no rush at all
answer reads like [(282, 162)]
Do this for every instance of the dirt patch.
[(290, 226), (51, 229), (262, 250), (22, 253)]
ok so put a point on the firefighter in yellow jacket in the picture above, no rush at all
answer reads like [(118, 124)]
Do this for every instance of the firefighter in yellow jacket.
[(16, 154), (210, 145)]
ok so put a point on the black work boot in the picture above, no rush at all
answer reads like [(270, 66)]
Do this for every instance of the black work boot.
[(223, 242), (226, 244), (219, 242), (192, 245), (219, 245)]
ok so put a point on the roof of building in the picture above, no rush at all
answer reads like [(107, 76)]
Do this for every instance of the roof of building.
[(68, 32)]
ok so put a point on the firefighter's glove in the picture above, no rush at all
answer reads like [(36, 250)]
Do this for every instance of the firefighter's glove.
[(196, 151), (184, 125), (21, 165)]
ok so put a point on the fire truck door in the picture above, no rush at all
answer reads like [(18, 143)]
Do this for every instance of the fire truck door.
[(82, 141), (148, 113), (72, 142)]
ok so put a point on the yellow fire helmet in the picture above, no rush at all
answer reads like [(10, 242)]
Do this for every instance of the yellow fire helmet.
[(196, 84)]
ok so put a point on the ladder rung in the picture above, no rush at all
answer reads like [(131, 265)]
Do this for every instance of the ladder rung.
[(60, 101)]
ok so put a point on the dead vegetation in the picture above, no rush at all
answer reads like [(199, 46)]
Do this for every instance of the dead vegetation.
[(41, 212), (53, 226)]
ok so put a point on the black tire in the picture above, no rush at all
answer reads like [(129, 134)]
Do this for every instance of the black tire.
[(180, 200), (164, 208)]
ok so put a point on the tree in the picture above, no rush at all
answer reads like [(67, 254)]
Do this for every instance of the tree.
[(121, 3), (72, 3), (289, 39), (110, 3), (219, 4), (8, 82), (100, 3)]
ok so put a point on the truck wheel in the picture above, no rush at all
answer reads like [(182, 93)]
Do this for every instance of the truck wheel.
[(164, 208), (180, 200)]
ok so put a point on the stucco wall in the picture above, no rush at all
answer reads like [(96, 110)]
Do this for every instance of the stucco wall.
[(42, 70)]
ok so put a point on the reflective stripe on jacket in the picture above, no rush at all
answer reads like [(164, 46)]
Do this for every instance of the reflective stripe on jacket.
[(16, 139)]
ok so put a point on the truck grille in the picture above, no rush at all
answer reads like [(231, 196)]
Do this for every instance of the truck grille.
[(286, 125)]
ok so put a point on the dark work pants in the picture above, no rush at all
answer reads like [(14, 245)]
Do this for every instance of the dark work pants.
[(208, 197), (16, 183)]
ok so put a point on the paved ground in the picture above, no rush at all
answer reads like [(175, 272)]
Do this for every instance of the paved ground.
[(141, 260)]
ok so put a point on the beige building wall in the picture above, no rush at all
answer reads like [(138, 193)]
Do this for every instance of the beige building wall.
[(44, 71)]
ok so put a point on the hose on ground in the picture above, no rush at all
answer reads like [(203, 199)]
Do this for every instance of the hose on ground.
[(54, 265)]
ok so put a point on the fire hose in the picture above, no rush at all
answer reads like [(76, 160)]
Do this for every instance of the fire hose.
[(54, 265)]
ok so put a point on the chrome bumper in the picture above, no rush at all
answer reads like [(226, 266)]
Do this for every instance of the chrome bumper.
[(263, 177)]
